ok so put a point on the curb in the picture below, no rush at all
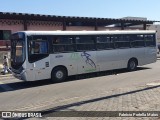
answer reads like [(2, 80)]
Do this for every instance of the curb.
[(7, 75)]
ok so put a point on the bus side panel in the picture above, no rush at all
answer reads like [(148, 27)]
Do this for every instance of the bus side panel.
[(68, 60), (38, 70), (139, 54), (150, 55), (30, 73), (42, 69), (87, 62), (25, 75), (107, 59), (123, 57)]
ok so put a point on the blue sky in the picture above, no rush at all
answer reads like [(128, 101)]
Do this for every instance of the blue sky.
[(86, 8)]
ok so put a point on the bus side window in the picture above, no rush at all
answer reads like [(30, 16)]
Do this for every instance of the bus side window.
[(38, 50), (138, 40), (43, 47), (85, 43), (38, 47), (63, 44), (150, 40), (57, 44), (56, 40)]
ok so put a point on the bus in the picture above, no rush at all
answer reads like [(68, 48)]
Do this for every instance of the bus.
[(55, 55)]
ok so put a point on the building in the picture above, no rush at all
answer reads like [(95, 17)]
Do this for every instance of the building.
[(157, 28), (148, 27), (13, 22)]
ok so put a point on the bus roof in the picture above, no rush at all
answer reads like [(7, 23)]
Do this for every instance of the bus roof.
[(88, 32)]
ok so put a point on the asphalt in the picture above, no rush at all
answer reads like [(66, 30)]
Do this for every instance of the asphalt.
[(142, 102)]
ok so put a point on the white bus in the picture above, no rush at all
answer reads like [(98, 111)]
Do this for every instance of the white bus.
[(37, 55)]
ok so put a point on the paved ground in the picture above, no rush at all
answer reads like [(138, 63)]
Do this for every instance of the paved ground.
[(144, 98)]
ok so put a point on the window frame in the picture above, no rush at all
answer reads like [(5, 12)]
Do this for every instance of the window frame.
[(134, 40), (93, 44), (153, 40), (121, 39), (38, 56), (64, 45), (105, 43), (2, 36)]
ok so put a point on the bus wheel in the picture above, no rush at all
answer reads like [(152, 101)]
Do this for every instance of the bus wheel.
[(132, 65), (58, 74)]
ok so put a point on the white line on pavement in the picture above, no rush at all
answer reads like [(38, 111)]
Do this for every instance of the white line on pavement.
[(153, 84)]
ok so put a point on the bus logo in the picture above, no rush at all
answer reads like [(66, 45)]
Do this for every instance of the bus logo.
[(6, 115)]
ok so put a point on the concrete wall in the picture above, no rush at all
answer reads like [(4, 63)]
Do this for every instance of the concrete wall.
[(46, 26), (13, 25)]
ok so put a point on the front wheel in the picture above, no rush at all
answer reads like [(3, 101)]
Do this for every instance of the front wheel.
[(58, 74), (132, 65)]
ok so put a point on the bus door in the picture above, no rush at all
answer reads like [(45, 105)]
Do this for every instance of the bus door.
[(42, 69), (39, 59)]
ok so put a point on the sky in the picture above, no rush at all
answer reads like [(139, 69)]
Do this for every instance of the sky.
[(86, 8)]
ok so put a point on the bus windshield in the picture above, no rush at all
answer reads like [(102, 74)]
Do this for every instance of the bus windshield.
[(18, 50)]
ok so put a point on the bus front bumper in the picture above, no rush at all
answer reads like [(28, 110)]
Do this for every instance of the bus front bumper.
[(21, 76)]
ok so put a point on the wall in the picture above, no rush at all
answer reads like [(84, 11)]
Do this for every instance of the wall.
[(17, 25), (77, 28), (13, 25), (44, 26)]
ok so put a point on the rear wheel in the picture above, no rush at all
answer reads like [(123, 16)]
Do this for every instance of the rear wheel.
[(58, 74), (132, 65)]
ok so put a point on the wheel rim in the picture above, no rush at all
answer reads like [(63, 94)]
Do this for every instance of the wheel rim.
[(59, 74), (132, 65)]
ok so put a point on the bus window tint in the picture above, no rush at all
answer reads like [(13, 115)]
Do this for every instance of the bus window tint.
[(104, 42), (63, 44), (122, 41), (150, 40), (85, 43), (34, 47), (38, 46), (138, 41)]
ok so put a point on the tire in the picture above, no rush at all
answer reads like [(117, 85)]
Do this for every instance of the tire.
[(58, 74), (132, 65)]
